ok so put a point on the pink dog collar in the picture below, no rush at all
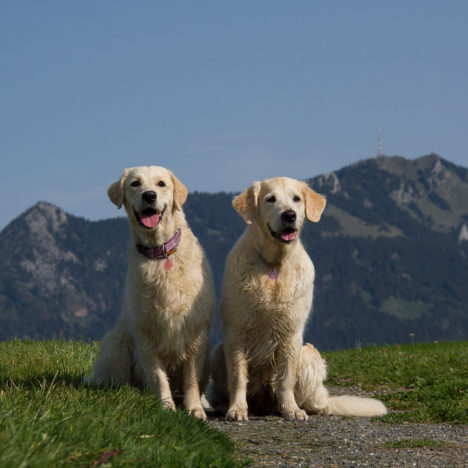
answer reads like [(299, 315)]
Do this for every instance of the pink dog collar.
[(161, 251)]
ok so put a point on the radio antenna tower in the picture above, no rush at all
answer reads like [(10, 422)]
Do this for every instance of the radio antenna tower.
[(379, 142)]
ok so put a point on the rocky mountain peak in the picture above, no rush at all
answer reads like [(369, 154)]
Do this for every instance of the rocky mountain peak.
[(44, 218), (53, 277), (430, 189), (42, 260)]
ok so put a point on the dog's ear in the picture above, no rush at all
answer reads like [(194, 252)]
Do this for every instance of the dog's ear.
[(246, 204), (180, 192), (314, 204), (116, 190)]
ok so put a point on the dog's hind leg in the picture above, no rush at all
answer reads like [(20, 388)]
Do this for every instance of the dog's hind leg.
[(114, 362), (311, 395)]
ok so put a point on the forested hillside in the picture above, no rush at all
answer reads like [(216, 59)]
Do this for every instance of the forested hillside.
[(391, 253), (391, 257)]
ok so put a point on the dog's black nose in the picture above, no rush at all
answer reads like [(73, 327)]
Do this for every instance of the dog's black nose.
[(149, 196), (288, 216)]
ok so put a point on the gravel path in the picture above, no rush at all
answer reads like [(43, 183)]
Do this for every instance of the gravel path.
[(331, 441)]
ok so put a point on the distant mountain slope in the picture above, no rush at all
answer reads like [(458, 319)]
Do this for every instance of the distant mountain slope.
[(60, 275), (391, 254), (389, 196)]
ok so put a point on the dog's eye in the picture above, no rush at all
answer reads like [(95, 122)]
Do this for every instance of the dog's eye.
[(136, 183), (296, 198), (271, 199), (161, 183)]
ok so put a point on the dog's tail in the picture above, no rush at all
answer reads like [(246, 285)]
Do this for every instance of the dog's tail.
[(347, 405), (313, 396)]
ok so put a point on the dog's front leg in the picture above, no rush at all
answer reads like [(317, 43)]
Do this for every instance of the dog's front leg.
[(191, 389), (287, 359), (157, 380), (236, 364)]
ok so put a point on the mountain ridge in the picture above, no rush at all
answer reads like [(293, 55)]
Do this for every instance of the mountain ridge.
[(390, 252)]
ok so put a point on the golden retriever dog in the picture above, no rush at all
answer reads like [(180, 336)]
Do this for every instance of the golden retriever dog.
[(267, 296), (161, 338)]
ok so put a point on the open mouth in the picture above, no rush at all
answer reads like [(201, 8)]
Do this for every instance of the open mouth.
[(149, 218), (286, 235)]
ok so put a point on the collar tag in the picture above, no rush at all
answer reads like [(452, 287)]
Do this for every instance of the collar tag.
[(273, 274)]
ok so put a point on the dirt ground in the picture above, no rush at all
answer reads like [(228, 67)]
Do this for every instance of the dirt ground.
[(332, 441)]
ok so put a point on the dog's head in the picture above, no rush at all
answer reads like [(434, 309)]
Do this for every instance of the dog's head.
[(279, 207), (149, 194)]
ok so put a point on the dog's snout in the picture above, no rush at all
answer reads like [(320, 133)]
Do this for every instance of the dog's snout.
[(149, 196), (288, 216)]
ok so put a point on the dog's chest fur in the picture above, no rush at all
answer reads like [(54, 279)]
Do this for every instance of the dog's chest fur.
[(165, 303), (269, 311), (278, 290)]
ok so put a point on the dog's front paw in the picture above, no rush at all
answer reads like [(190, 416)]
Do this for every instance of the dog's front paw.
[(197, 412), (168, 404), (237, 413), (295, 414)]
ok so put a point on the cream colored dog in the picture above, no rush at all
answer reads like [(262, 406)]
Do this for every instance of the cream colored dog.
[(161, 338), (268, 288)]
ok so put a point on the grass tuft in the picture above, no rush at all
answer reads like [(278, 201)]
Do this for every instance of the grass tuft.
[(416, 443), (425, 383)]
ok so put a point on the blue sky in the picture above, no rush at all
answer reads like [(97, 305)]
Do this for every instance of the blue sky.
[(223, 93)]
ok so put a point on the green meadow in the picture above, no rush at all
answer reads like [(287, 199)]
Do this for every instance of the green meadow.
[(48, 417), (425, 383)]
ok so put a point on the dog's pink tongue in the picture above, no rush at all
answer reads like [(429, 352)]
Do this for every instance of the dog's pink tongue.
[(288, 236), (149, 220)]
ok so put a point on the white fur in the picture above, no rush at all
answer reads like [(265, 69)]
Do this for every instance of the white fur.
[(161, 338), (263, 362)]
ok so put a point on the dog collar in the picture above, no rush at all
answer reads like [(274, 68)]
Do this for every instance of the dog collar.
[(161, 251)]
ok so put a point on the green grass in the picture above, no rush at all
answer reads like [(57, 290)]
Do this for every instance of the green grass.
[(415, 443), (49, 418), (425, 383)]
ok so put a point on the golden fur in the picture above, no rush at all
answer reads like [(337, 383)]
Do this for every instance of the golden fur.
[(161, 338), (267, 296)]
